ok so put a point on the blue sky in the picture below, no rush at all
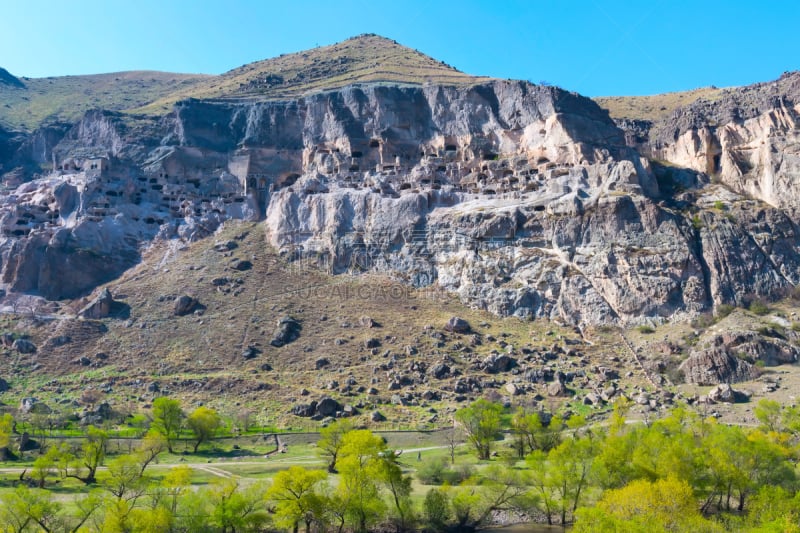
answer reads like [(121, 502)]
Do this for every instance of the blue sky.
[(593, 47)]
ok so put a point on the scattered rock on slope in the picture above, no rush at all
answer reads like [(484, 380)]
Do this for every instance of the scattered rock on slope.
[(100, 307), (184, 305), (288, 330)]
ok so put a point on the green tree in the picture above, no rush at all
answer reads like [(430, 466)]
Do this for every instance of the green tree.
[(150, 447), (360, 467), (175, 484), (44, 466), (167, 419), (6, 430), (330, 442), (399, 487), (740, 462), (91, 457), (774, 509), (24, 507), (540, 480), (236, 508), (153, 520), (768, 412), (124, 479), (570, 463), (482, 423), (436, 509), (297, 498), (660, 506), (204, 423), (530, 433)]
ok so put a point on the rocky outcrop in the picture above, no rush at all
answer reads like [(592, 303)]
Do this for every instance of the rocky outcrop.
[(730, 357), (747, 138)]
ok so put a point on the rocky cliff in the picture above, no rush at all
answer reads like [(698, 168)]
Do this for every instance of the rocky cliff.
[(746, 138), (522, 199)]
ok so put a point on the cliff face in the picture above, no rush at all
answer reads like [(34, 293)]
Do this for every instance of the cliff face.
[(747, 139), (522, 199)]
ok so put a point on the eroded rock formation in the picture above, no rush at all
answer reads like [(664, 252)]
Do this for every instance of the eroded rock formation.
[(524, 200)]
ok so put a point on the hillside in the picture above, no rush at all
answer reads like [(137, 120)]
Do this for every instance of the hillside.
[(366, 58), (8, 80), (361, 59), (363, 340), (66, 98), (654, 107)]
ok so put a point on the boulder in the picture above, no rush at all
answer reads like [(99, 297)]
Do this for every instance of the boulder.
[(250, 352), (304, 410), (100, 307), (59, 340), (495, 363), (26, 443), (4, 386), (440, 371), (288, 330), (368, 322), (225, 246), (328, 406), (592, 399), (242, 265), (32, 405), (557, 388), (377, 416), (183, 305), (372, 343), (321, 363), (24, 346), (724, 393), (457, 325)]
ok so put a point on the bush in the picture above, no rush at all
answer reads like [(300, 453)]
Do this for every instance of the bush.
[(644, 329), (431, 472), (758, 307), (719, 205), (703, 321), (437, 509), (436, 472), (724, 310)]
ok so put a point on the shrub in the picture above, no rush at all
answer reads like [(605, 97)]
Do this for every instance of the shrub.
[(436, 509), (796, 326), (703, 321), (795, 293), (719, 205), (645, 329), (724, 310), (431, 472), (436, 472), (758, 307), (696, 222)]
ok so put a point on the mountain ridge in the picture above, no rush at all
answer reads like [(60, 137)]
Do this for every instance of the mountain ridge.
[(367, 58)]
